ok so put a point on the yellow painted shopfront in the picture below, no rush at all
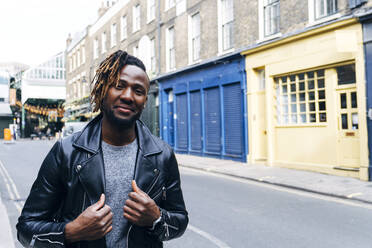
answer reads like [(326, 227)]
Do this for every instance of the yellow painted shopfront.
[(306, 101)]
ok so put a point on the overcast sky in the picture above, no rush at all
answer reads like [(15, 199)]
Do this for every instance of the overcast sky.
[(31, 31)]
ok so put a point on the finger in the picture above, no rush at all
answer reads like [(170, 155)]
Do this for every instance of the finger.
[(142, 199), (107, 218), (130, 218), (101, 202), (131, 212), (136, 188), (109, 229), (134, 205), (104, 211)]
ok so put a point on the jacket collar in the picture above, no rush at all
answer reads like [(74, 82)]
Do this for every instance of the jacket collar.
[(90, 138)]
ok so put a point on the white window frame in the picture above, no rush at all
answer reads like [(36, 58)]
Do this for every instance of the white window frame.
[(169, 4), (221, 23), (136, 18), (113, 34), (312, 17), (83, 54), (170, 49), (192, 37), (95, 48), (103, 42), (151, 7), (78, 54), (124, 27)]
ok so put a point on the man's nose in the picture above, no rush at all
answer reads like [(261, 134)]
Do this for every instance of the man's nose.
[(126, 94)]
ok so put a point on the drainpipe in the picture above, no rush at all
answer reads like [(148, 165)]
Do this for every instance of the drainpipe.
[(159, 24)]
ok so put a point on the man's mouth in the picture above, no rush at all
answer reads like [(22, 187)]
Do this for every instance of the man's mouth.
[(124, 109)]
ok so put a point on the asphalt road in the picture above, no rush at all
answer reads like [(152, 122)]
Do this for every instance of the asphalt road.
[(224, 211)]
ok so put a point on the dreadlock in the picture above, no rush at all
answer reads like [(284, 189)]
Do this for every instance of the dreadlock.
[(108, 74)]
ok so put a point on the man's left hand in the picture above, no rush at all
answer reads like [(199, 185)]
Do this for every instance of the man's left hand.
[(140, 209)]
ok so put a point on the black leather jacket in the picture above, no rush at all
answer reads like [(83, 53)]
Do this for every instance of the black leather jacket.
[(71, 178)]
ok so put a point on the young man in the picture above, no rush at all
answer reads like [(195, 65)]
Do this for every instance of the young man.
[(86, 192)]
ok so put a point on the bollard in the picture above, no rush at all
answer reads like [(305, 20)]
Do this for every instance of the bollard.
[(7, 134)]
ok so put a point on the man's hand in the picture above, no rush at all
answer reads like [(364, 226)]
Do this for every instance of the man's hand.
[(140, 209), (94, 223)]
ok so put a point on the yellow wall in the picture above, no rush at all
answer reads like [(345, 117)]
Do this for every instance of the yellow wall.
[(307, 147)]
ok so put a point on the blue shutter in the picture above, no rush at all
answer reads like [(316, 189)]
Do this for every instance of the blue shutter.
[(182, 127), (196, 123), (233, 120), (212, 121), (170, 124)]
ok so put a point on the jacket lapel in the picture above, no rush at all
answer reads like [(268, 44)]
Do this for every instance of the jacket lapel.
[(147, 171), (91, 171)]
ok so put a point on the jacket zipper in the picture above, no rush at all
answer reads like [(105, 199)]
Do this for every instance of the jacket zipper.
[(152, 186), (84, 196)]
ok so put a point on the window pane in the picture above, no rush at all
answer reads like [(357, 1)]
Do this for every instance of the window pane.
[(292, 78), (311, 95), (346, 74), (302, 107), (312, 106), (284, 79), (355, 121), (320, 83), (293, 98), (294, 119), (301, 86), (310, 84), (302, 97), (344, 121), (320, 73), (322, 106), (354, 103), (343, 100), (284, 89), (310, 75), (294, 108), (322, 117), (293, 87), (301, 76), (303, 118), (285, 109), (312, 117), (321, 94)]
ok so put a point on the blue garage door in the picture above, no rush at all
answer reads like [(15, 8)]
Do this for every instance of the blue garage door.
[(233, 120), (196, 123), (182, 127), (212, 121)]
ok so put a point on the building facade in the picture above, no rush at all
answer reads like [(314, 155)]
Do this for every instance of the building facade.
[(295, 68)]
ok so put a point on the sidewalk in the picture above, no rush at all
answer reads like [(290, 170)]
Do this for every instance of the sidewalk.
[(6, 238), (341, 187)]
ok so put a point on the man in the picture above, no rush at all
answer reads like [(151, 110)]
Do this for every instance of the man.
[(84, 195)]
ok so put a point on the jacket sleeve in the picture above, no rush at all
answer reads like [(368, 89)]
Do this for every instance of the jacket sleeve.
[(37, 226), (173, 210)]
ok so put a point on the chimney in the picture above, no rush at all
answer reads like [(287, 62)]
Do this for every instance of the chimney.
[(68, 40)]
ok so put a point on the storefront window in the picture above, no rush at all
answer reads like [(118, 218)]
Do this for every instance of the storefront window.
[(301, 98)]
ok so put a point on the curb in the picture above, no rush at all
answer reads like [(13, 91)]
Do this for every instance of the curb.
[(6, 236), (343, 197)]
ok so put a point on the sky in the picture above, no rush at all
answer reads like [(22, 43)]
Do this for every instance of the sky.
[(32, 31)]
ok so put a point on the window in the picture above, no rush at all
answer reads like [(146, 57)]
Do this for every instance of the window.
[(113, 35), (95, 48), (271, 17), (346, 74), (324, 8), (103, 40), (150, 10), (70, 67), (83, 54), (78, 58), (136, 18), (135, 51), (123, 27), (170, 51), (227, 15), (301, 98), (153, 56), (169, 4), (74, 61), (195, 37)]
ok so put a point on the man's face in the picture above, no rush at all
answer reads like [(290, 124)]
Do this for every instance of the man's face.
[(123, 103)]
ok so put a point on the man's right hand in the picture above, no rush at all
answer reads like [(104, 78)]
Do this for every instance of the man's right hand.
[(94, 223)]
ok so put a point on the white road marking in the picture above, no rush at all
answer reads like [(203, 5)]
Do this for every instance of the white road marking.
[(208, 236), (11, 187), (354, 194)]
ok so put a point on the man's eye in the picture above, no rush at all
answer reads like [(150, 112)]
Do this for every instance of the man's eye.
[(139, 92), (119, 86)]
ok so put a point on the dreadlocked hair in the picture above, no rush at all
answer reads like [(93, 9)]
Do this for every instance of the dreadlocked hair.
[(108, 74)]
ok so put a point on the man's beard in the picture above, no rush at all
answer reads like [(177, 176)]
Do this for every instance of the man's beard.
[(123, 123)]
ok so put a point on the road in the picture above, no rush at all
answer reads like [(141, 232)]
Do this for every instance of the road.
[(224, 211)]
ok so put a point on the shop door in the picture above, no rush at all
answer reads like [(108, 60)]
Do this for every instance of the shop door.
[(212, 121), (348, 129), (196, 122), (182, 127), (233, 120)]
